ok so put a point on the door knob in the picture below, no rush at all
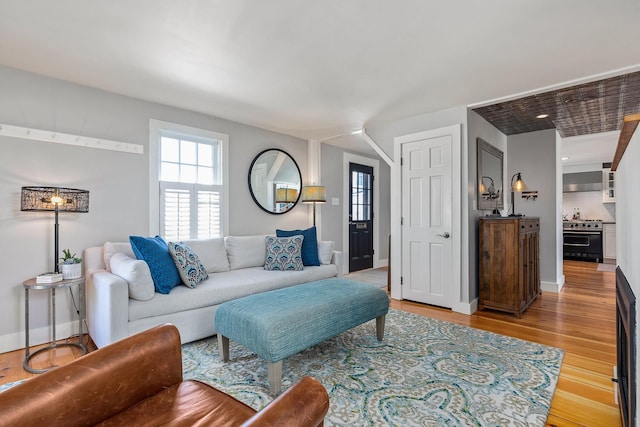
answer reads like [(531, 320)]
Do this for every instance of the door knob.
[(446, 235)]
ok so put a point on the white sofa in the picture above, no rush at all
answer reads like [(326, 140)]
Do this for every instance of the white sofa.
[(236, 269)]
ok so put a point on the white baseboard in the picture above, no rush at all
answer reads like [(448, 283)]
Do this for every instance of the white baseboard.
[(467, 308), (381, 263), (37, 336), (552, 286)]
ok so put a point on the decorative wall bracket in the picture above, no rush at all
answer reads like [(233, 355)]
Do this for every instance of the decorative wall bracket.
[(530, 195)]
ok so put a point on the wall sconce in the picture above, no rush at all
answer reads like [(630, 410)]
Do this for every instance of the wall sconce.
[(517, 184), (56, 199), (530, 195), (314, 194)]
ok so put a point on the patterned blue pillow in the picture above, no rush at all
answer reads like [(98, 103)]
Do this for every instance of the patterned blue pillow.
[(188, 263), (284, 253), (155, 252), (309, 246)]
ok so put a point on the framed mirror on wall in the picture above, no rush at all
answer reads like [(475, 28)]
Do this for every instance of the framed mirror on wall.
[(275, 181), (490, 177)]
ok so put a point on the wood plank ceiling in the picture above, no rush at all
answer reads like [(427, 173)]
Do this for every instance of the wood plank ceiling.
[(594, 107)]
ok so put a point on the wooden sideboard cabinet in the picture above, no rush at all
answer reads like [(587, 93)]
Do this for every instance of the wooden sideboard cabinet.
[(509, 266)]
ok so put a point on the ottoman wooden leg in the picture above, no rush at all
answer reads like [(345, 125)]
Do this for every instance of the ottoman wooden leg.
[(223, 346), (275, 376), (380, 327)]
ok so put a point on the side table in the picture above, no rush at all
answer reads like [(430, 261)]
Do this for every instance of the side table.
[(31, 284)]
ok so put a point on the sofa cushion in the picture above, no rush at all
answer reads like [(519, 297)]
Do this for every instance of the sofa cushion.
[(222, 287), (211, 252), (283, 253), (246, 251), (136, 273), (155, 252), (309, 246), (111, 248), (188, 264), (325, 251)]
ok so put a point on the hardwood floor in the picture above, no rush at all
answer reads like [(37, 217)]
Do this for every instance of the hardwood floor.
[(580, 320)]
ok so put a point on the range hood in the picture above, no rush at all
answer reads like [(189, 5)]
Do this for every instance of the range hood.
[(582, 181)]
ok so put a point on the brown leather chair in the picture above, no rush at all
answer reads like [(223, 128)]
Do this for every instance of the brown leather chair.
[(138, 382)]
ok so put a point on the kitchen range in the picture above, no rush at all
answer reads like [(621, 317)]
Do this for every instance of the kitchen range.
[(582, 240)]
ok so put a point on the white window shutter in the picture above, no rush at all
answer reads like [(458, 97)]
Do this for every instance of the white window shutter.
[(176, 206)]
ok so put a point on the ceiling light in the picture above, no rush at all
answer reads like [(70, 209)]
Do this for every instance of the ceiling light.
[(542, 116), (356, 132), (565, 158)]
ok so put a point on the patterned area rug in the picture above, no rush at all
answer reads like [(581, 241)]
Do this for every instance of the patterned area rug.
[(426, 372)]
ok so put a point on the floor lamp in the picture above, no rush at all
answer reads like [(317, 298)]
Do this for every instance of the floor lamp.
[(314, 194), (54, 199)]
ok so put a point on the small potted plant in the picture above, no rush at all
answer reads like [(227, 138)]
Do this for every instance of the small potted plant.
[(70, 265)]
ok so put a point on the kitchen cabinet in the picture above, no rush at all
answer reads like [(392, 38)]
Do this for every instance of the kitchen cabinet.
[(609, 241), (509, 266), (608, 186)]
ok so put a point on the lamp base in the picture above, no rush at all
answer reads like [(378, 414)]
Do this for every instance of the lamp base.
[(516, 215)]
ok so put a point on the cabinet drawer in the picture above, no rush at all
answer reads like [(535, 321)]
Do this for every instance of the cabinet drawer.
[(529, 225)]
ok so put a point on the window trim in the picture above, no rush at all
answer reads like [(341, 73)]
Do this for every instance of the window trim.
[(155, 128)]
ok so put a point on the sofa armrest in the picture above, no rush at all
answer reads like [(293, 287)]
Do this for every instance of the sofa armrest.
[(337, 259), (98, 385), (107, 298), (305, 403)]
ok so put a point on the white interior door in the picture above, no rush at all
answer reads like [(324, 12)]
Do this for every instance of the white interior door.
[(427, 221)]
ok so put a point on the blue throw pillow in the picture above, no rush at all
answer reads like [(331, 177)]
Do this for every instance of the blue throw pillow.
[(155, 252), (309, 245)]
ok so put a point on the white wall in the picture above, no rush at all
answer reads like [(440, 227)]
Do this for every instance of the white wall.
[(118, 183), (590, 205), (536, 156), (628, 235)]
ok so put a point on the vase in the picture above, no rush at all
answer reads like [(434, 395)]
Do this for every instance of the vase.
[(71, 271)]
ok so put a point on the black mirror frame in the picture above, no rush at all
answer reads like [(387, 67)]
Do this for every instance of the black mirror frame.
[(251, 188)]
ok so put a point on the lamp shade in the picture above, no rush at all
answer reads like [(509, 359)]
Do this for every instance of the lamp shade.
[(519, 184), (314, 194), (48, 198), (286, 195)]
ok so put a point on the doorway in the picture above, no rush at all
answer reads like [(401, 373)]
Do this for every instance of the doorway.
[(347, 160), (361, 213)]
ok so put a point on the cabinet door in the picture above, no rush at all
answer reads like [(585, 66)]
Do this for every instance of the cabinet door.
[(608, 186), (499, 270), (609, 241)]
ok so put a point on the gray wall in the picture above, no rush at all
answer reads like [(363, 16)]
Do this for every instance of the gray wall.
[(537, 156), (480, 128), (383, 134), (118, 182), (333, 227)]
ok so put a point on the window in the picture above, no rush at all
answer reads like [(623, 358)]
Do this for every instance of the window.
[(191, 181)]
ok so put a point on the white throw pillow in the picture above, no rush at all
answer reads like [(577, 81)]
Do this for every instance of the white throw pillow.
[(212, 253), (325, 251), (246, 251), (136, 272), (111, 248)]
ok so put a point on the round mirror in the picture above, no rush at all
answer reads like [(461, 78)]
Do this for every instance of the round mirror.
[(275, 181)]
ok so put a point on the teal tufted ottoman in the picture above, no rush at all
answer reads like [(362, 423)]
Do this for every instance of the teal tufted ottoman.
[(281, 323)]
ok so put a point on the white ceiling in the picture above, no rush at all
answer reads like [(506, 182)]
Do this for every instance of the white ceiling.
[(316, 69), (589, 149)]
